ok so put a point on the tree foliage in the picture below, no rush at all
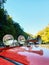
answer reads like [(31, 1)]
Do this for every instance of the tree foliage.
[(8, 26), (44, 34)]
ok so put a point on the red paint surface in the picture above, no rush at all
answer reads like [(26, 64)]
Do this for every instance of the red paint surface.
[(5, 62), (26, 57)]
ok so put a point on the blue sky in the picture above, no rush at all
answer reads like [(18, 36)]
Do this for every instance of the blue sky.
[(32, 15)]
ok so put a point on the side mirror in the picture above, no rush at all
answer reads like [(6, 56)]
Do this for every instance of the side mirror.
[(8, 40), (21, 40)]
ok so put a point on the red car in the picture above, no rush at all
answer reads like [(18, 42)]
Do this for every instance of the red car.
[(23, 55)]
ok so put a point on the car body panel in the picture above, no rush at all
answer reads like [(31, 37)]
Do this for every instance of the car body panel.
[(26, 55), (3, 62)]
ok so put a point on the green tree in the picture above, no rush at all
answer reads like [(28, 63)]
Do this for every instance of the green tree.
[(8, 26)]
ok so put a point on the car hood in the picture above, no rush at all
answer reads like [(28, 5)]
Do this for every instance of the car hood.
[(26, 55)]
